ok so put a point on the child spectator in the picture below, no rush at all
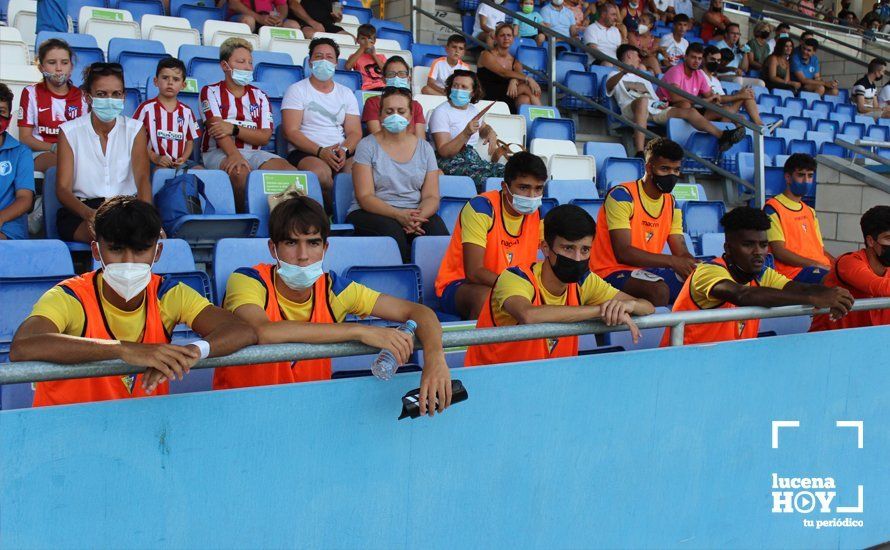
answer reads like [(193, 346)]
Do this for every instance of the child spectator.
[(170, 124), (16, 176), (366, 60), (442, 67), (524, 30)]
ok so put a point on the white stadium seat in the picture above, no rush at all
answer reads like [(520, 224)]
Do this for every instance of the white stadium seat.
[(351, 29), (509, 128), (10, 34), (14, 52), (106, 23), (545, 148), (268, 34), (419, 77), (349, 19), (429, 102), (499, 107), (172, 32), (22, 14), (216, 32), (575, 167), (404, 54), (341, 39), (387, 44), (17, 77), (297, 49)]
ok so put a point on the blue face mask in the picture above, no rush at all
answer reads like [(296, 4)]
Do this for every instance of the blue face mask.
[(297, 277), (107, 108), (395, 123), (242, 77), (526, 205), (459, 98), (802, 188), (323, 70), (398, 82)]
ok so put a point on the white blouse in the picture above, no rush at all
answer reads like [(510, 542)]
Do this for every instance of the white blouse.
[(98, 174)]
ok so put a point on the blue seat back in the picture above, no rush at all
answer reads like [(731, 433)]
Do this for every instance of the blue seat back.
[(230, 254), (804, 146), (363, 14), (845, 108), (822, 107), (592, 206), (187, 52), (773, 146), (262, 183), (577, 57), (139, 67), (277, 72), (828, 126), (401, 280), (344, 194), (712, 244), (552, 128), (774, 180), (531, 112), (117, 46), (419, 53), (702, 217), (819, 138), (457, 186), (745, 166), (403, 37), (618, 170), (768, 102), (345, 252), (427, 253), (449, 209), (566, 191), (205, 69), (198, 15), (795, 103), (139, 8), (533, 57), (878, 133), (350, 79), (783, 94), (217, 187), (833, 149), (73, 7), (563, 68), (788, 134), (601, 150), (841, 118), (84, 57), (583, 83), (75, 40), (798, 123)]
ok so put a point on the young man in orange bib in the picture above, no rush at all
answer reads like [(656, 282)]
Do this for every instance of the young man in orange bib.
[(123, 311), (637, 219), (294, 300), (865, 273), (794, 236), (741, 278), (560, 289), (496, 230)]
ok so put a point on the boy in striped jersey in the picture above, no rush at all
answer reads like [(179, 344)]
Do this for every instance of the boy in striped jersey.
[(237, 121), (170, 124)]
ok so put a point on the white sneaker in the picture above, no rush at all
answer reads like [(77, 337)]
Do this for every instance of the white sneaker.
[(768, 129), (35, 218)]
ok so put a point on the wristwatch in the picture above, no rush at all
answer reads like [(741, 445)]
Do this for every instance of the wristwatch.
[(235, 130), (348, 152)]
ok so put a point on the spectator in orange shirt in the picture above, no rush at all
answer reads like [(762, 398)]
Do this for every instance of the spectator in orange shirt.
[(366, 61), (865, 273)]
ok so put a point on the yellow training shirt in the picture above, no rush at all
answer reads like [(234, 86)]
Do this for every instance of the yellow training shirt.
[(707, 275)]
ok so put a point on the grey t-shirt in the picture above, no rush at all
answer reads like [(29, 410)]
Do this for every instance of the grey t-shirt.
[(398, 184)]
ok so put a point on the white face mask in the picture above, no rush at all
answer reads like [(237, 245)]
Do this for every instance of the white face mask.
[(127, 279), (642, 29), (297, 277)]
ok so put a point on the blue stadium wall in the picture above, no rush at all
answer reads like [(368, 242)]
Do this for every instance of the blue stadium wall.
[(659, 448)]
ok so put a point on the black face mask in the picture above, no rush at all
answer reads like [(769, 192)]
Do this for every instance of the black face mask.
[(665, 183), (884, 256), (712, 66), (568, 270), (741, 277), (716, 10), (764, 35)]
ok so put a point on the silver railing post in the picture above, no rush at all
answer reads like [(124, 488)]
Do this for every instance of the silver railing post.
[(759, 171), (677, 332), (551, 41)]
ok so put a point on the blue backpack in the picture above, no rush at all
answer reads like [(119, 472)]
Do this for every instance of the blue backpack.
[(181, 196)]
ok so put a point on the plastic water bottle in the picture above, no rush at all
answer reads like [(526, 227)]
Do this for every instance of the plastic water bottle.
[(386, 365)]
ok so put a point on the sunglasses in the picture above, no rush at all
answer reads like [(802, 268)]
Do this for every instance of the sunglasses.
[(101, 66)]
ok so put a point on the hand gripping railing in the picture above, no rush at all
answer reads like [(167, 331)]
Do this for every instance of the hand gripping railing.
[(38, 371), (759, 176)]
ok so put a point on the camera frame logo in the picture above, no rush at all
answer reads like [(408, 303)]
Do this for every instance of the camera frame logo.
[(813, 494)]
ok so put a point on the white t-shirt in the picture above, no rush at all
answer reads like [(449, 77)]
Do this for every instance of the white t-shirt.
[(677, 50), (446, 118), (884, 96), (632, 87), (492, 18), (323, 113), (663, 5), (440, 70), (605, 40), (716, 87), (684, 7), (97, 174)]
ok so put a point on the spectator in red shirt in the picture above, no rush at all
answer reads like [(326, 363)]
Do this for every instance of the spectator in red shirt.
[(865, 273), (714, 22)]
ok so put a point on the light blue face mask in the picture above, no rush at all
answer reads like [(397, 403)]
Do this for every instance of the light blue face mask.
[(242, 77), (398, 82), (323, 69), (107, 108), (395, 123), (526, 205), (459, 98), (803, 188), (297, 277)]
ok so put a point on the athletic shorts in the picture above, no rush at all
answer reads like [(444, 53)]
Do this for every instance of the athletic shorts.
[(255, 158), (447, 303), (667, 275)]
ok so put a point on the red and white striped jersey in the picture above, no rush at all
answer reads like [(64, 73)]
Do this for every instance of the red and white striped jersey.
[(252, 110), (168, 132), (43, 111)]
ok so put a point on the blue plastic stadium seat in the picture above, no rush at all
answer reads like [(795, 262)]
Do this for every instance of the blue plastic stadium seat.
[(782, 94), (139, 66), (403, 37), (828, 126), (547, 204), (878, 133), (602, 73), (350, 79), (257, 197), (768, 118), (531, 112), (231, 254), (601, 150), (704, 145), (845, 108), (618, 170), (51, 205), (728, 158), (457, 186), (834, 99), (679, 130), (798, 123), (552, 128), (364, 15), (565, 191), (564, 66), (700, 217), (198, 15), (577, 57), (583, 83), (346, 252), (782, 326), (774, 180), (138, 8), (795, 103), (177, 5), (767, 102), (789, 134), (804, 146), (745, 166), (277, 72), (204, 229), (419, 53), (344, 194), (773, 146), (787, 112), (840, 118), (866, 120), (73, 39), (535, 58), (205, 69), (380, 24), (118, 46), (824, 108), (712, 244), (400, 280), (592, 206), (449, 209), (808, 97), (427, 253), (187, 52), (132, 99), (819, 138), (832, 149)]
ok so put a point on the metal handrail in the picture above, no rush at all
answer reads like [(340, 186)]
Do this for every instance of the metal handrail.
[(859, 150), (608, 112), (39, 371)]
